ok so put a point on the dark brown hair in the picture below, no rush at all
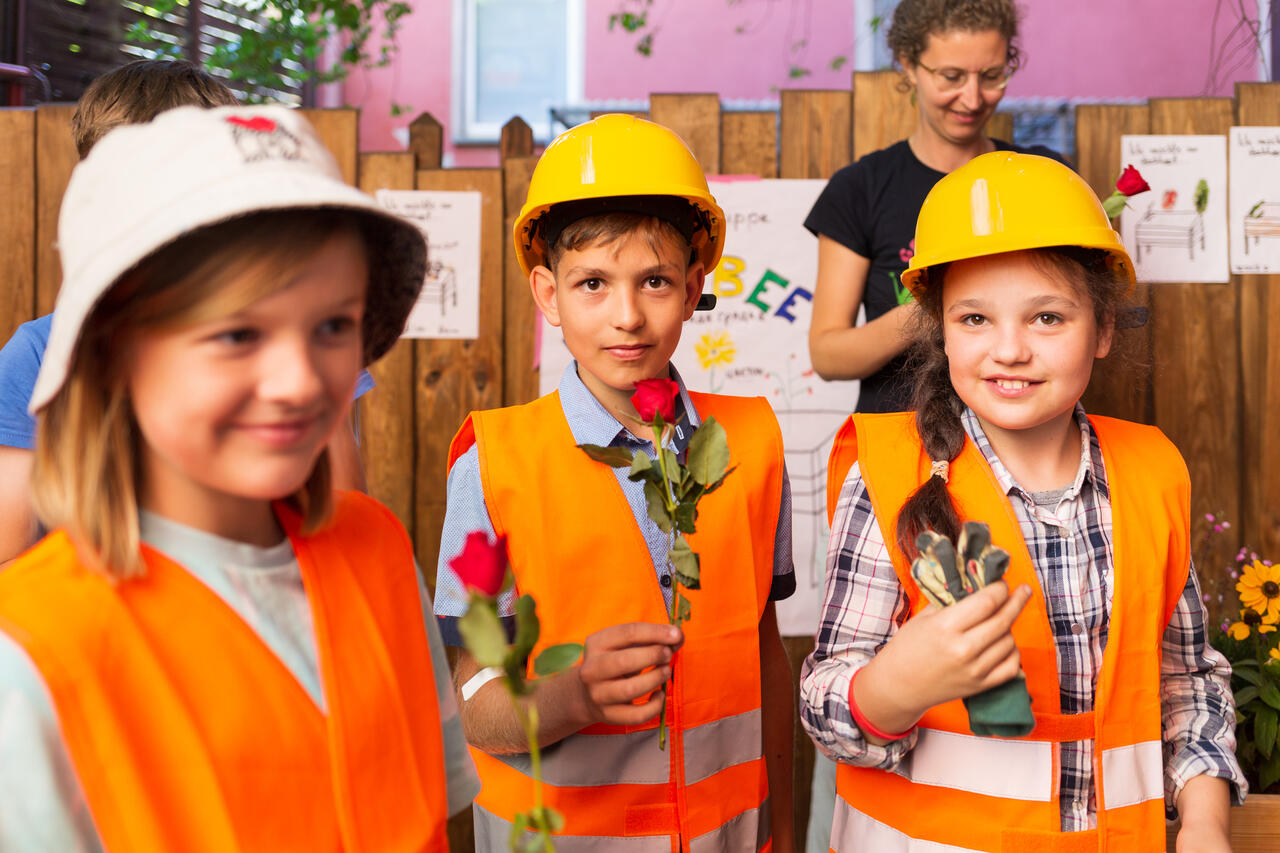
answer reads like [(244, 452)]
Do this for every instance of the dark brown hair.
[(938, 407), (915, 20), (607, 228), (140, 91)]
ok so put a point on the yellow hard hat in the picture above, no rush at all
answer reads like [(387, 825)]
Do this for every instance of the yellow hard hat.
[(618, 163), (1006, 202)]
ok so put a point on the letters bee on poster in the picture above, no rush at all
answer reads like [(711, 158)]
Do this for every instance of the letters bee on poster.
[(449, 304), (1177, 232), (755, 343), (1254, 209)]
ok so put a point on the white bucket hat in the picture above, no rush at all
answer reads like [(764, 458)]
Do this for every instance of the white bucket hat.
[(144, 186)]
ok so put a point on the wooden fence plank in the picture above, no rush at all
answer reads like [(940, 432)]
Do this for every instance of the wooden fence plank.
[(426, 141), (1121, 383), (453, 378), (520, 328), (339, 130), (55, 160), (17, 219), (696, 118), (817, 132), (749, 143), (882, 111), (1196, 365), (1259, 104), (387, 426)]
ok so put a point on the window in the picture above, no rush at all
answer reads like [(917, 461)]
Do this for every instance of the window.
[(514, 58)]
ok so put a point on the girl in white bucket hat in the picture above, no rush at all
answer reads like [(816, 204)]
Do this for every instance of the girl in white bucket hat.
[(212, 650)]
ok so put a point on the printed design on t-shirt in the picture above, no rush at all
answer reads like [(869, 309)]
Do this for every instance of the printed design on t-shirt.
[(260, 138), (904, 296)]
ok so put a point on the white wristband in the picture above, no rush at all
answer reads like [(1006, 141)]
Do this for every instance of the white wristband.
[(480, 679)]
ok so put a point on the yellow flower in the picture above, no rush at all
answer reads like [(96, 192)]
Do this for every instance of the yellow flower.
[(1259, 589), (1275, 653), (715, 348), (1250, 619)]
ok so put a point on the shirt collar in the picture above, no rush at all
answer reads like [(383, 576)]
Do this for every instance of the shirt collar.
[(1091, 469), (591, 423)]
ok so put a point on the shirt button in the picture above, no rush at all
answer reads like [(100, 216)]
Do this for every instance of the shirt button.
[(1077, 628), (665, 580)]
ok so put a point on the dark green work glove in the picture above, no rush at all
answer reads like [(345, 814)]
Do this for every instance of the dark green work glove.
[(1003, 711)]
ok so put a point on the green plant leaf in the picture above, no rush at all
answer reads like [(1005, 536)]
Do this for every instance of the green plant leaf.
[(614, 457), (1267, 690), (708, 452), (1268, 773), (1245, 695), (1247, 674), (686, 517), (518, 826), (527, 628), (557, 658), (684, 610), (685, 563), (483, 634), (718, 483), (554, 820), (657, 506), (1264, 730), (641, 466)]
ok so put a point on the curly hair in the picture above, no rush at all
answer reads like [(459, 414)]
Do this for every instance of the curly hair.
[(915, 20)]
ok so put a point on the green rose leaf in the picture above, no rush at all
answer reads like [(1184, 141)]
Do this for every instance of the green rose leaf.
[(686, 517), (684, 610), (1113, 204), (518, 826), (685, 563), (641, 467), (483, 634), (1264, 730), (557, 658), (552, 819), (718, 483), (657, 506), (527, 627), (708, 452), (614, 457), (1267, 690)]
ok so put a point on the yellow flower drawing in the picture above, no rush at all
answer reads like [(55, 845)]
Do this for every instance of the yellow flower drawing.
[(1251, 620), (715, 348), (1259, 589)]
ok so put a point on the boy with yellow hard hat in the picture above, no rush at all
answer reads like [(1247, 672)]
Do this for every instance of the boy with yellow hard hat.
[(616, 236)]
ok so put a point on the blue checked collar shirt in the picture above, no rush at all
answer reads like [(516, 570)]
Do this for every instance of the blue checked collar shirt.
[(590, 423), (1069, 537)]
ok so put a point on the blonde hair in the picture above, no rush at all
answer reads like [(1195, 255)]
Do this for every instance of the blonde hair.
[(140, 91), (604, 229), (86, 477)]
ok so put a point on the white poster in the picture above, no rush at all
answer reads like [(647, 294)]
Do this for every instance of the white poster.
[(1177, 232), (755, 342), (1254, 214), (449, 304)]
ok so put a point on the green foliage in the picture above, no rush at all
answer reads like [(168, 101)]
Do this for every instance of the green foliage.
[(483, 634), (614, 457), (708, 455), (1255, 682), (294, 30), (557, 658), (1201, 198)]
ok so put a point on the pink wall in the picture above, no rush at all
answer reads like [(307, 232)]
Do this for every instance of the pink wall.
[(1087, 48)]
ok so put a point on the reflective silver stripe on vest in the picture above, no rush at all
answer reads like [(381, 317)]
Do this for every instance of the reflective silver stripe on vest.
[(586, 760), (1132, 774), (711, 747), (493, 835), (854, 832), (742, 834), (1015, 769)]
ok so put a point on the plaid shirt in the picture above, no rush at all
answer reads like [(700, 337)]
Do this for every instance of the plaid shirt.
[(1070, 544)]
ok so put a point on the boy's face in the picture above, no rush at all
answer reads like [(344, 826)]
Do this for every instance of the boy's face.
[(621, 307)]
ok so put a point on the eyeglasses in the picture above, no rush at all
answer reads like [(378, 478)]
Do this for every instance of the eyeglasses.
[(992, 79)]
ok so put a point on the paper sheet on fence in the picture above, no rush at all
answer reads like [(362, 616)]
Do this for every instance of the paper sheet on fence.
[(449, 304), (755, 342), (1254, 210), (1177, 232)]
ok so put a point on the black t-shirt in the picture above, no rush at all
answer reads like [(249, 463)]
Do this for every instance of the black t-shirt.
[(870, 207)]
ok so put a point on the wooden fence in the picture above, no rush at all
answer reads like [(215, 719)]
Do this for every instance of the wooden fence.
[(1204, 371)]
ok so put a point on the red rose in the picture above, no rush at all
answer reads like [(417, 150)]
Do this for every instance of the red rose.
[(656, 396), (482, 565), (1131, 183)]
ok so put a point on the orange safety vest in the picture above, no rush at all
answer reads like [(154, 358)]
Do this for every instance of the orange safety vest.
[(575, 546), (188, 733), (969, 793)]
